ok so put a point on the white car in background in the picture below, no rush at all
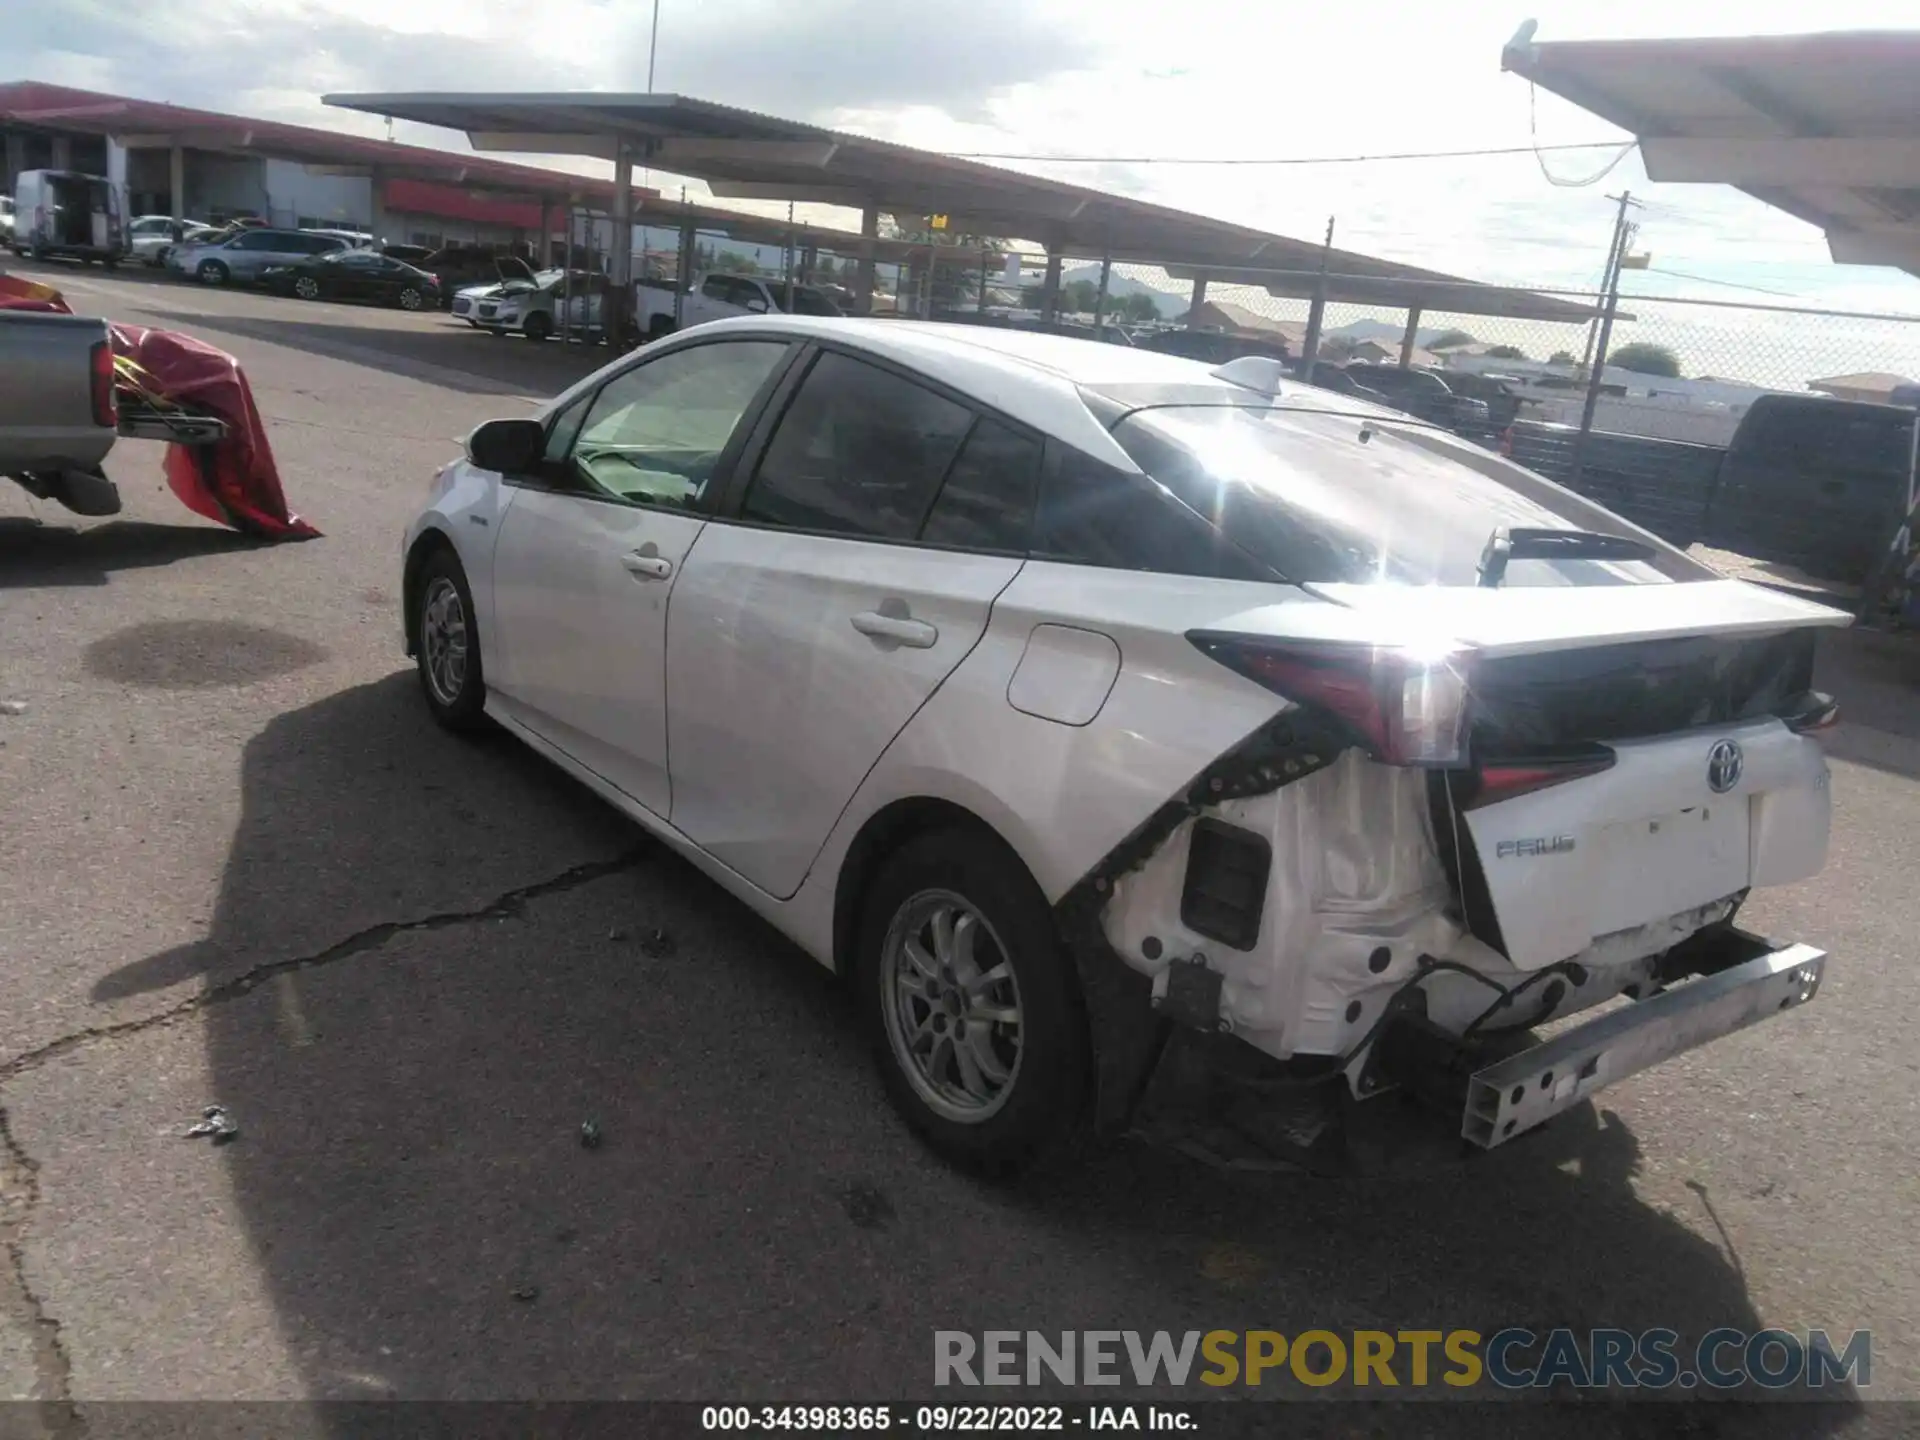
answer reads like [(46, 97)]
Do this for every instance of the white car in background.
[(1094, 710)]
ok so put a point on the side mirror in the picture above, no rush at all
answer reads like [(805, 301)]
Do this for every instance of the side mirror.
[(509, 447)]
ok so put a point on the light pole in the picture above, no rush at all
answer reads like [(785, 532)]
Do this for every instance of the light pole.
[(653, 42)]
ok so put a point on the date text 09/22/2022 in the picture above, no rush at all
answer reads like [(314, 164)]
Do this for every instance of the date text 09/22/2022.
[(947, 1419)]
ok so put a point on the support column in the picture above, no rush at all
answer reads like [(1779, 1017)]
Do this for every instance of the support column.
[(62, 153), (1310, 347), (377, 221), (16, 158), (809, 261), (980, 307), (543, 252), (1100, 300), (683, 282), (863, 276), (177, 180), (1412, 336), (616, 316), (1199, 299), (1050, 289)]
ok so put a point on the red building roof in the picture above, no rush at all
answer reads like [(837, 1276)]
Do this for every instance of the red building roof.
[(61, 109)]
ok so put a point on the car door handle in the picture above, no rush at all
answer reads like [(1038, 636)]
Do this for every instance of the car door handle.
[(647, 567), (915, 634)]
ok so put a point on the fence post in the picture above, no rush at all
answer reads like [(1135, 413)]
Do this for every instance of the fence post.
[(1616, 254)]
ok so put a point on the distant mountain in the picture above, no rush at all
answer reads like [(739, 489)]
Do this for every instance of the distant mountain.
[(1171, 307), (1384, 330)]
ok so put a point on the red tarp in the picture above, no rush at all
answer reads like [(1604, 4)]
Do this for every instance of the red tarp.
[(233, 482)]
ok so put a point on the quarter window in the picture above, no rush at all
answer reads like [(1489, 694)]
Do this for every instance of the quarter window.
[(654, 434), (860, 451)]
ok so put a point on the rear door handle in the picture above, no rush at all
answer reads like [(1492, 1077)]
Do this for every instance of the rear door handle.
[(914, 634), (647, 567)]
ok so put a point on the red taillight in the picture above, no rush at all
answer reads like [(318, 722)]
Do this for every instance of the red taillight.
[(1498, 780), (106, 406), (1404, 708)]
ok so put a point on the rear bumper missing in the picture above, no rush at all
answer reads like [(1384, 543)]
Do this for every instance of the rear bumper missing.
[(1525, 1090)]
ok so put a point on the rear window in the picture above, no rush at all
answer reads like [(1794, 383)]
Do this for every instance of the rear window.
[(1301, 498), (1828, 435)]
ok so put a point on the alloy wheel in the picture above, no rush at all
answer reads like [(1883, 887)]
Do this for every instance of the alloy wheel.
[(951, 1006), (443, 640)]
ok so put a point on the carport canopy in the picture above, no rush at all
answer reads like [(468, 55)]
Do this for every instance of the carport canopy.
[(742, 154), (1825, 127)]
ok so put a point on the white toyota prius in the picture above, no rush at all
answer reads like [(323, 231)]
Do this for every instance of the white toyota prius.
[(1089, 708)]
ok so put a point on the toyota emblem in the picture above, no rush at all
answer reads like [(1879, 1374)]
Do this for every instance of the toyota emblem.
[(1724, 764)]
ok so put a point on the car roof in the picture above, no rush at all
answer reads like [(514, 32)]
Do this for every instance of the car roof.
[(1040, 380), (1035, 378)]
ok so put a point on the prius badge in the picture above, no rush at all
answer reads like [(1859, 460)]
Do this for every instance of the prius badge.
[(1533, 845), (1724, 764)]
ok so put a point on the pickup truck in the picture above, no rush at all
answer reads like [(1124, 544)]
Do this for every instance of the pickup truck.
[(1815, 482), (715, 297), (60, 410)]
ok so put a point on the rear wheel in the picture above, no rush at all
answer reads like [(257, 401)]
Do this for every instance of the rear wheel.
[(212, 272), (538, 325), (970, 1002), (306, 287), (410, 299), (447, 644)]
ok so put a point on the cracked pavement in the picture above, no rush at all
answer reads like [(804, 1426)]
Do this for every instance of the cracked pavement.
[(240, 866)]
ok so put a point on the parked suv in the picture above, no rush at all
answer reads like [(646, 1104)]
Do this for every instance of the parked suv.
[(242, 257)]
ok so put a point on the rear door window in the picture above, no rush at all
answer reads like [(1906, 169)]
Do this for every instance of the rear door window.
[(987, 501), (860, 451), (1820, 436)]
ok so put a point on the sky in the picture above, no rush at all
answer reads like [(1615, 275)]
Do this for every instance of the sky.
[(1086, 77)]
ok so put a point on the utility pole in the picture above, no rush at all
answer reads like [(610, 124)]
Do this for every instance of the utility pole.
[(1317, 311), (1597, 346)]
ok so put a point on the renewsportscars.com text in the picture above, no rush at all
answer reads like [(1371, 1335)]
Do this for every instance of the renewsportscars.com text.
[(1510, 1359)]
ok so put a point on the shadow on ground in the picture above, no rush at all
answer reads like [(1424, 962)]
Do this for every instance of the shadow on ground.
[(446, 352), (756, 1224), (35, 553)]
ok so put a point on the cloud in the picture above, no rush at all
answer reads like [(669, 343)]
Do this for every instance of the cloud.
[(811, 61)]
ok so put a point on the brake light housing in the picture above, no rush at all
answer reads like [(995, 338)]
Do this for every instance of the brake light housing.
[(100, 373), (1402, 706)]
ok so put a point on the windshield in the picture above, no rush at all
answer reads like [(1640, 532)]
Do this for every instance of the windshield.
[(1302, 495)]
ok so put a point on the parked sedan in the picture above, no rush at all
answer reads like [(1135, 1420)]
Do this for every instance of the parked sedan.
[(356, 275), (1094, 711)]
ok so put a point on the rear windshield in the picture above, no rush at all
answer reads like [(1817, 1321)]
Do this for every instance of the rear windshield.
[(1302, 497)]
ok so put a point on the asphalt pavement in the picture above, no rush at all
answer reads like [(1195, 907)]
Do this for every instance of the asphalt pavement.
[(238, 865)]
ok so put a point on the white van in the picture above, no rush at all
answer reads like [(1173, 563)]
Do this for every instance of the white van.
[(65, 212)]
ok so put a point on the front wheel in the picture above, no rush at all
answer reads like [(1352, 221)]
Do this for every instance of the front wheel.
[(447, 644), (211, 272), (307, 288), (971, 1003), (410, 299)]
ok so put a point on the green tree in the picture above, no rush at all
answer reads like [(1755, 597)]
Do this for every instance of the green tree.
[(1449, 340), (1135, 309), (1563, 357), (736, 263), (1078, 297), (1646, 358), (1506, 352)]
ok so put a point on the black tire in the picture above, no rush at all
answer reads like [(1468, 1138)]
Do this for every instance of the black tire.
[(212, 272), (1043, 1096), (410, 299), (459, 706), (659, 328), (538, 326), (305, 287)]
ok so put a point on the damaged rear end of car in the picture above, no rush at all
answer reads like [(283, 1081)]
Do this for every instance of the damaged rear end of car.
[(1526, 765)]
